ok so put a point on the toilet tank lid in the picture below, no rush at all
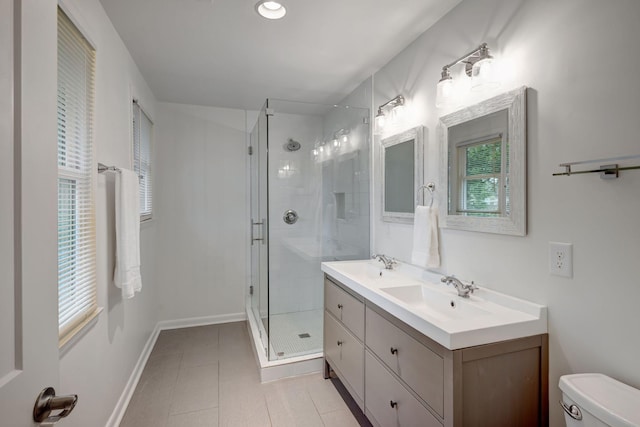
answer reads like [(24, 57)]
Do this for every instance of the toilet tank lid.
[(611, 401)]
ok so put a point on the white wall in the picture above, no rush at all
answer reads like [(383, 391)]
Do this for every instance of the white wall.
[(201, 212), (583, 103), (99, 364)]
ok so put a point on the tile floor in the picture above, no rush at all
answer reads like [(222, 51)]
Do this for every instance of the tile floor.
[(207, 376)]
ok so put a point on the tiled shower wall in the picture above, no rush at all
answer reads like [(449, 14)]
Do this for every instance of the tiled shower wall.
[(330, 192)]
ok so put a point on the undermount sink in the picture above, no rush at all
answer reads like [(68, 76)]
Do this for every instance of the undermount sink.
[(418, 298), (436, 304)]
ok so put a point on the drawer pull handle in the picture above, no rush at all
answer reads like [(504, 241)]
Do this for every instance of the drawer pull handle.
[(393, 404), (340, 306), (394, 350), (340, 342)]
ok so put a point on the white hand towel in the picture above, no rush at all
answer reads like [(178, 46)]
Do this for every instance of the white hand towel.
[(426, 248), (127, 272)]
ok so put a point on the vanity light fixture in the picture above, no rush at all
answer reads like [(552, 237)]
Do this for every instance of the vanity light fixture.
[(271, 9), (341, 136), (394, 106), (478, 65)]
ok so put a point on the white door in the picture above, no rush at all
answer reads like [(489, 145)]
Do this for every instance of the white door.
[(28, 277)]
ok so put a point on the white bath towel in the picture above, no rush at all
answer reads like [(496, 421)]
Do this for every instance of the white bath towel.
[(127, 272), (426, 248)]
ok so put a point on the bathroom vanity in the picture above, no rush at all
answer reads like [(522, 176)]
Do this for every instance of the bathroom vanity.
[(406, 363)]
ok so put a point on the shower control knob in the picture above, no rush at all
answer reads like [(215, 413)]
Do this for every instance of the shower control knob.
[(340, 306), (393, 404), (394, 350), (340, 342), (290, 216)]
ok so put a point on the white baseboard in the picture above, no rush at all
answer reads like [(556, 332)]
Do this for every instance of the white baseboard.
[(125, 397), (127, 393), (201, 321)]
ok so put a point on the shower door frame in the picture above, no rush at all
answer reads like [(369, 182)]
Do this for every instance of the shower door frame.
[(259, 234)]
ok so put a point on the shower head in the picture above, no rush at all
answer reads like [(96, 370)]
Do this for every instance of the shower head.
[(292, 145)]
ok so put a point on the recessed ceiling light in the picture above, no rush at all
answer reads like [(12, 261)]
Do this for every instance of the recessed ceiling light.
[(271, 9)]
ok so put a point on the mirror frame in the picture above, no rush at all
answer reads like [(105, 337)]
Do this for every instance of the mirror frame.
[(515, 102), (417, 134)]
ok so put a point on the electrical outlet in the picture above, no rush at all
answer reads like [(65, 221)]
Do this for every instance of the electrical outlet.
[(561, 259)]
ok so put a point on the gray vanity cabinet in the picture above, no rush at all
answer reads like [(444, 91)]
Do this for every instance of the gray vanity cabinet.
[(389, 402), (404, 378), (345, 307), (343, 336), (415, 364)]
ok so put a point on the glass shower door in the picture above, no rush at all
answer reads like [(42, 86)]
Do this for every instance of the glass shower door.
[(259, 287), (309, 197), (318, 210)]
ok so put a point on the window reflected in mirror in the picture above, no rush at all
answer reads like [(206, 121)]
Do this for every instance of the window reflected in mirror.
[(479, 176)]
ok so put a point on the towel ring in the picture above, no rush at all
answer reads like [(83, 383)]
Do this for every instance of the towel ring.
[(431, 187)]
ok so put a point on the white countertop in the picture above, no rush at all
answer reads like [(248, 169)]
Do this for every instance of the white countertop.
[(437, 311)]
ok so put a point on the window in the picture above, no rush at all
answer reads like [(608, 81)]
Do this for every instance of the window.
[(482, 176), (142, 127), (76, 216)]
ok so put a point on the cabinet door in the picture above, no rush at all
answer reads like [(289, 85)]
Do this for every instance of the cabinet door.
[(345, 308), (345, 354), (389, 403), (419, 367)]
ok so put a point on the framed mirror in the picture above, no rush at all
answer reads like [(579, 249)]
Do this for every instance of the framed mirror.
[(484, 164), (401, 174)]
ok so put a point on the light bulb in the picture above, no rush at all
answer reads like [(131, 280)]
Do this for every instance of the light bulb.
[(445, 93), (345, 139), (399, 111), (271, 9), (272, 5), (483, 75), (379, 123)]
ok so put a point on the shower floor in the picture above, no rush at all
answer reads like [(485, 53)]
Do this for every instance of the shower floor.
[(288, 334)]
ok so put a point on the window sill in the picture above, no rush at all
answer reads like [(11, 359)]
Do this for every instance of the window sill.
[(74, 335), (147, 222)]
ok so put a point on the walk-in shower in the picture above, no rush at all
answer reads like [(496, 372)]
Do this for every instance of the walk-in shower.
[(309, 167)]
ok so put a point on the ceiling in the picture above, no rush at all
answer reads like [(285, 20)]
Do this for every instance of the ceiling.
[(222, 53)]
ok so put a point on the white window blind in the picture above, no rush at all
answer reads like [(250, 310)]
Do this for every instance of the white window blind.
[(142, 128), (76, 216)]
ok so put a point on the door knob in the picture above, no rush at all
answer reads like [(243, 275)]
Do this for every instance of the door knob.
[(47, 402)]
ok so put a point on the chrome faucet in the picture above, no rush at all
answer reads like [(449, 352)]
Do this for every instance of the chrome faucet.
[(388, 262), (463, 289)]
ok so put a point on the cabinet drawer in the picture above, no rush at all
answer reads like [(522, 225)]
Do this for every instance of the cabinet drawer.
[(419, 367), (344, 307), (345, 354), (382, 389)]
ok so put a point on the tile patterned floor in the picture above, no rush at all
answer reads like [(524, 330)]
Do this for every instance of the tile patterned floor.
[(284, 330), (207, 376)]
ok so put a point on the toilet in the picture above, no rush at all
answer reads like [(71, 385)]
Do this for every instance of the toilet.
[(596, 400)]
